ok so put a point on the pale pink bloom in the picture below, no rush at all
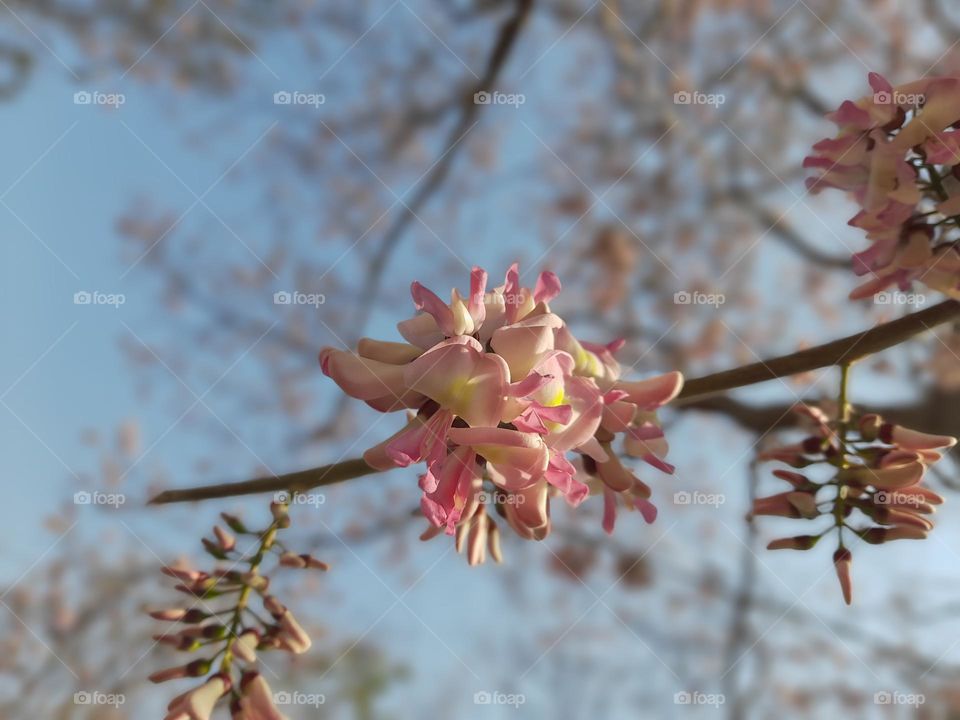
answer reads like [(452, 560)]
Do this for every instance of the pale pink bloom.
[(198, 704), (447, 495), (502, 391), (292, 637), (460, 377), (363, 378), (870, 158), (245, 646), (529, 514), (256, 700), (515, 460)]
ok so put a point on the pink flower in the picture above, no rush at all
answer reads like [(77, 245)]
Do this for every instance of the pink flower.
[(503, 392), (198, 704), (256, 700), (897, 152)]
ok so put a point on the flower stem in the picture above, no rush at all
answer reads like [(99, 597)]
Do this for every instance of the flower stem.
[(843, 415), (266, 541)]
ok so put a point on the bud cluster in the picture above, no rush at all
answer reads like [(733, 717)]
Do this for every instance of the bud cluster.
[(873, 490), (230, 636)]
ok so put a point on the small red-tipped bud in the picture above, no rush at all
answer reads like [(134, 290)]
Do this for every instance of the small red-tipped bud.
[(799, 542), (227, 541), (213, 549), (234, 523), (292, 560), (174, 673), (183, 574), (274, 606), (842, 559), (878, 535), (794, 478)]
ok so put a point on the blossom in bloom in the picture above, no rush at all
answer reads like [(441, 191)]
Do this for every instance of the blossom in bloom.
[(873, 489), (256, 700), (898, 153), (506, 410)]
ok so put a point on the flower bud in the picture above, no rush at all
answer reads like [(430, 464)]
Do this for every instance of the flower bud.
[(842, 560), (799, 542), (226, 541), (234, 523)]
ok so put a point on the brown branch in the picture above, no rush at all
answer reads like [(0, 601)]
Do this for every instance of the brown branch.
[(293, 482), (506, 39), (845, 350)]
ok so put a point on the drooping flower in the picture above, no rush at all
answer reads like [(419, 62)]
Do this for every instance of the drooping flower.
[(873, 490), (503, 393), (898, 154)]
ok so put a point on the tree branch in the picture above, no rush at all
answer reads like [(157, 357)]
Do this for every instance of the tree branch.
[(506, 39), (292, 482), (845, 350)]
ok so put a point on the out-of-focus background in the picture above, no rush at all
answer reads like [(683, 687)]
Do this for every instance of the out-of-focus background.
[(170, 165)]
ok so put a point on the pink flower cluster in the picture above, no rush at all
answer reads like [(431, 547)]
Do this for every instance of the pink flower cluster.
[(502, 392), (898, 153), (238, 632), (876, 471)]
